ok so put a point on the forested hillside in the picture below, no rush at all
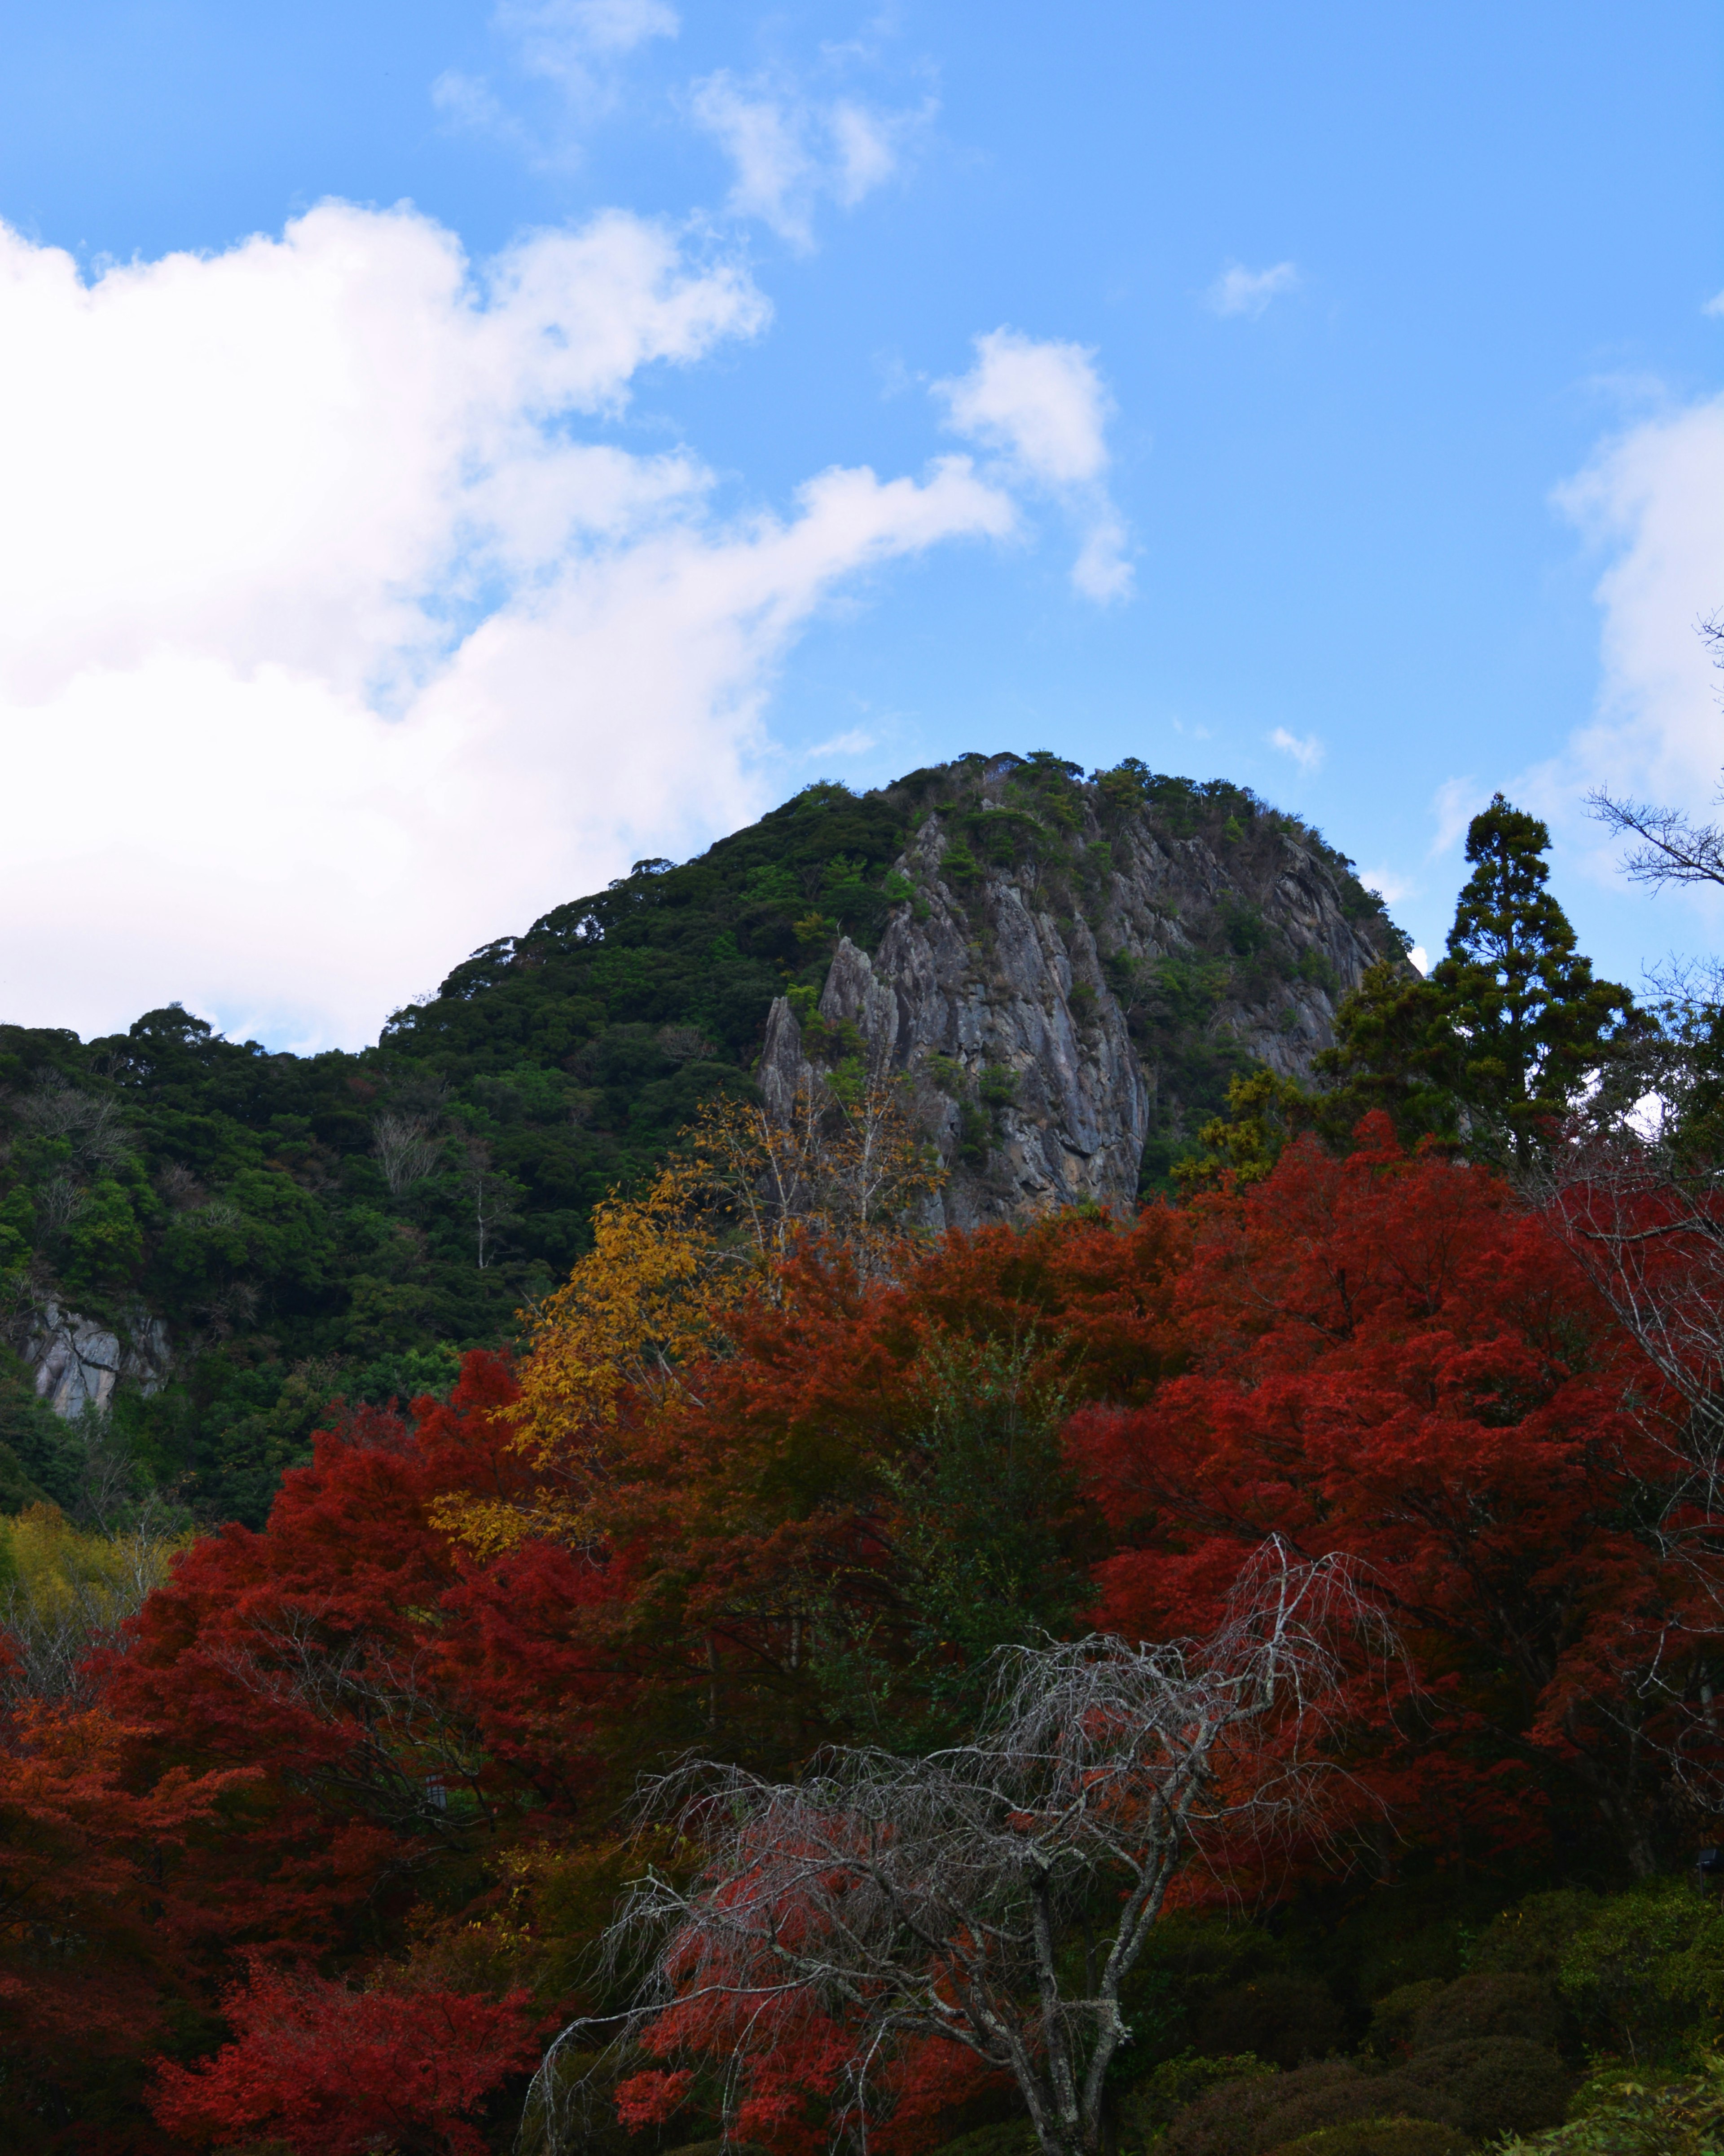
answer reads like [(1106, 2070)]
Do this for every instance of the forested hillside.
[(1232, 1676), (306, 1228)]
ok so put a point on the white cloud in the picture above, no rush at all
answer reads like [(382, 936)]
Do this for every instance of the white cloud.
[(1652, 499), (1715, 305), (1454, 805), (1420, 958), (1306, 750), (1388, 886), (576, 44), (790, 151), (855, 742), (329, 649), (1043, 408), (1241, 291)]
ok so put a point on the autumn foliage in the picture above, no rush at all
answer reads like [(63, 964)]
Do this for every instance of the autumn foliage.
[(320, 2065), (318, 1858)]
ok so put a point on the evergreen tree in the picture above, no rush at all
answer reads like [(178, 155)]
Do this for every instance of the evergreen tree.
[(1523, 1022)]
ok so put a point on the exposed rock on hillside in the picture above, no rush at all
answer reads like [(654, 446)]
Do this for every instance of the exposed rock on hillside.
[(78, 1361), (1072, 973)]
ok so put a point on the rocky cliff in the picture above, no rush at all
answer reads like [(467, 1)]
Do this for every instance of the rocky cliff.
[(1072, 973)]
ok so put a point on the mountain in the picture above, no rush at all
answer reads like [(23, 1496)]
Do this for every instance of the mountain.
[(208, 1241)]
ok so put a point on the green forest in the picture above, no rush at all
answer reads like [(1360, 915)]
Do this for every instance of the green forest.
[(345, 1225), (607, 1633)]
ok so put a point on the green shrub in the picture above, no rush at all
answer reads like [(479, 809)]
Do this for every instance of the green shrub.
[(1285, 2018), (1009, 2137), (1151, 2105), (1481, 2088), (1486, 2005), (1639, 2115), (1531, 1938), (1380, 2137), (1392, 2018), (1486, 2086), (1246, 2118), (1646, 1971)]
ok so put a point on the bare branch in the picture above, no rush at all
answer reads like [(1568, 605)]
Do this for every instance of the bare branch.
[(882, 1899)]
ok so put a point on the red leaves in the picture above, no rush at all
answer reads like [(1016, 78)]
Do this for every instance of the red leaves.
[(1394, 1360), (336, 2072), (93, 1883)]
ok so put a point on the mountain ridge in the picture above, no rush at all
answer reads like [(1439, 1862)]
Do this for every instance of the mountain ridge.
[(300, 1229)]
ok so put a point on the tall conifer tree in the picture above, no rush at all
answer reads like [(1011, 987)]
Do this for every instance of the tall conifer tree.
[(1524, 1020)]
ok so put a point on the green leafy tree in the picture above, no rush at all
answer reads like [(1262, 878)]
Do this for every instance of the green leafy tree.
[(1524, 1022)]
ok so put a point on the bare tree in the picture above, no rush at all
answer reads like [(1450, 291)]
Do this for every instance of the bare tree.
[(1672, 849), (1646, 1222), (488, 1196), (405, 1149), (999, 1894), (90, 1123)]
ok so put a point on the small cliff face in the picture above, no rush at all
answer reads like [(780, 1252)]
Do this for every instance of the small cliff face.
[(1071, 977), (78, 1361)]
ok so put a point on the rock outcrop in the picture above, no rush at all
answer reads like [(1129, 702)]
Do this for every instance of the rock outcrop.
[(78, 1362), (1086, 986)]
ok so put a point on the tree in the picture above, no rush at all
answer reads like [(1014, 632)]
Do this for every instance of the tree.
[(1395, 1360), (1527, 1023), (333, 2071), (887, 1902), (1672, 847)]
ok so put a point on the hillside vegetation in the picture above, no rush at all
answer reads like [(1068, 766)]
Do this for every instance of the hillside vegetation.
[(346, 1224)]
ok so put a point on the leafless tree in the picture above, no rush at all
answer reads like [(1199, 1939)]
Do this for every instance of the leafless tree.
[(90, 1122), (997, 1895), (1645, 1219), (489, 1197), (406, 1150), (1672, 847)]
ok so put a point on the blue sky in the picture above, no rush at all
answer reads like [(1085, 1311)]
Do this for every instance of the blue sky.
[(458, 449)]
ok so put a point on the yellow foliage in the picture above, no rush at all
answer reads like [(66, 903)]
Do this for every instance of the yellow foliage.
[(62, 1591), (668, 1268)]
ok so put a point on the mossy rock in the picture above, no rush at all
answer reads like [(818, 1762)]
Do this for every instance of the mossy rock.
[(1380, 2137)]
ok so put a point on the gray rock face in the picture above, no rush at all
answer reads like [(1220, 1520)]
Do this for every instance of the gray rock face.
[(78, 1362), (1049, 1018)]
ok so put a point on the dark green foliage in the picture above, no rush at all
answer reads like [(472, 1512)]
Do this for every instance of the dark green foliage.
[(1524, 1022), (304, 1224), (1279, 2015), (42, 1459), (1486, 2005), (1500, 1043), (1481, 2088), (1380, 2137), (1151, 2106)]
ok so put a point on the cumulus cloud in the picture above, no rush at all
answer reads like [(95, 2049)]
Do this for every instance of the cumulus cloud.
[(1651, 500), (1306, 750), (329, 647), (1042, 408), (790, 152), (1241, 291)]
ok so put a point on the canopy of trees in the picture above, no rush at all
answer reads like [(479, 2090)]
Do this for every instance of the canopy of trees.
[(1236, 1678)]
